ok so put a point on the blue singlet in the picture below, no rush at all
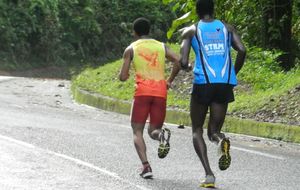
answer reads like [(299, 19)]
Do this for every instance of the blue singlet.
[(211, 44)]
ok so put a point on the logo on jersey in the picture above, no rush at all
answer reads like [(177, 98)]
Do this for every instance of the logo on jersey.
[(214, 49), (150, 57)]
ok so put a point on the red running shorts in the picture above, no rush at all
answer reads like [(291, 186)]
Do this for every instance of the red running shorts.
[(144, 106)]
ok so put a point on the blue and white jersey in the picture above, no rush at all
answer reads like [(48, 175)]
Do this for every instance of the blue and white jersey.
[(212, 44)]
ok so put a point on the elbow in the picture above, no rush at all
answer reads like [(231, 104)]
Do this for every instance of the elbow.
[(123, 78), (243, 51)]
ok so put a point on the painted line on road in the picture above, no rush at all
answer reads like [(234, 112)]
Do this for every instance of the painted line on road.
[(258, 153), (74, 160), (6, 77), (27, 145), (89, 165)]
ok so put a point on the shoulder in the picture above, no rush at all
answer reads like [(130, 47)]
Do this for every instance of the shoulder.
[(229, 27), (189, 32), (128, 51), (128, 48)]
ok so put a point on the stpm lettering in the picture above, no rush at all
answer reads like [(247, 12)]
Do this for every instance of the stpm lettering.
[(216, 46)]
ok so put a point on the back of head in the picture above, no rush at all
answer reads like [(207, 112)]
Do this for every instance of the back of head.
[(141, 26), (205, 7)]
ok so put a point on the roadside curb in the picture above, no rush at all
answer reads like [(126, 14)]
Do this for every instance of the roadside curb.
[(233, 125)]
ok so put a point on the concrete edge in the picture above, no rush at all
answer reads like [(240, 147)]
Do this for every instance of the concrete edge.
[(233, 125)]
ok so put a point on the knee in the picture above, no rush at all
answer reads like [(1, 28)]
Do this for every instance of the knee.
[(197, 133), (137, 136)]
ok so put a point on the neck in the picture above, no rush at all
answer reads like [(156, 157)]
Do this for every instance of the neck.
[(207, 18), (144, 37)]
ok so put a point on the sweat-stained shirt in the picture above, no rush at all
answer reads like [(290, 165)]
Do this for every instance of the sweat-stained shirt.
[(149, 64)]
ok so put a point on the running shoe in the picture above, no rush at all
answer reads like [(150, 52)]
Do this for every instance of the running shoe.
[(164, 143), (147, 173), (209, 182), (225, 159)]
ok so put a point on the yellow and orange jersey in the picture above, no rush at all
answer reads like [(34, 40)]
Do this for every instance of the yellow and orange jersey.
[(149, 64)]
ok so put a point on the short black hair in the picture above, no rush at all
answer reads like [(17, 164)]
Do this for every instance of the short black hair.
[(141, 26), (205, 7)]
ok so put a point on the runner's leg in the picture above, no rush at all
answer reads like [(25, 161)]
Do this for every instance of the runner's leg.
[(140, 111), (157, 117), (138, 140), (216, 120), (217, 117), (198, 113)]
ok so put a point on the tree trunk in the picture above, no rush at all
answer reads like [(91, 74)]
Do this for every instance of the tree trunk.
[(277, 31)]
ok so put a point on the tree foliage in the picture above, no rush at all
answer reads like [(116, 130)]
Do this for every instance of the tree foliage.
[(262, 23), (56, 32)]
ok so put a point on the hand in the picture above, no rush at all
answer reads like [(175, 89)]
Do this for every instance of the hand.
[(184, 66), (187, 67), (190, 66)]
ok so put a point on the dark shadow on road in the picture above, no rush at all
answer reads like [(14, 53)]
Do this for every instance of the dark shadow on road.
[(166, 184)]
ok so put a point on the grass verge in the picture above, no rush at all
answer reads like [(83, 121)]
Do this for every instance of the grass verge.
[(263, 87), (233, 125)]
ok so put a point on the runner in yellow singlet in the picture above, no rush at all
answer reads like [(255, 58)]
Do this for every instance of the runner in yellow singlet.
[(147, 57)]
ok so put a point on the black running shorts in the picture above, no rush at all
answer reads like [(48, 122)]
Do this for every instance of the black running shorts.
[(209, 93)]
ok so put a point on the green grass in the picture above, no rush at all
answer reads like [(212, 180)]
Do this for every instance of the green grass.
[(262, 76), (104, 80), (265, 81)]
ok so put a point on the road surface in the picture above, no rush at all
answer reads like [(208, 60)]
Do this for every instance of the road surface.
[(49, 142)]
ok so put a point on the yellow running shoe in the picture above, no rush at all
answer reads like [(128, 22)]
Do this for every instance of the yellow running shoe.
[(225, 159), (164, 145), (209, 182)]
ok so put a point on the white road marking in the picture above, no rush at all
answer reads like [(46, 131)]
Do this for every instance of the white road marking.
[(27, 145), (86, 164), (258, 153), (74, 160), (6, 78), (17, 106)]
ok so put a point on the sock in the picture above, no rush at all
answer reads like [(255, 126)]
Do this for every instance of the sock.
[(146, 164)]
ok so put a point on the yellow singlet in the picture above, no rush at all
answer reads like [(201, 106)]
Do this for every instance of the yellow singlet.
[(149, 64)]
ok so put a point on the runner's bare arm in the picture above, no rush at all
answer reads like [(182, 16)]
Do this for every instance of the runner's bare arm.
[(127, 57), (185, 48), (171, 56), (237, 45)]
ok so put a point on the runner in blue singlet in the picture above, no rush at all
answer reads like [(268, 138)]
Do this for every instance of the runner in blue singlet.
[(214, 79)]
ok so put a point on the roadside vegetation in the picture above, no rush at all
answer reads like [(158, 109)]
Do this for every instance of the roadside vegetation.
[(265, 92), (68, 33)]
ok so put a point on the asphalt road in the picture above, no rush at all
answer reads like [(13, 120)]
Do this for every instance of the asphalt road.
[(49, 142)]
